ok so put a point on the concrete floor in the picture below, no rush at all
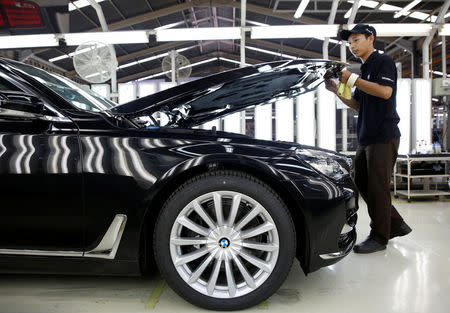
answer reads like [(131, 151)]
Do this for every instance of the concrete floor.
[(412, 275)]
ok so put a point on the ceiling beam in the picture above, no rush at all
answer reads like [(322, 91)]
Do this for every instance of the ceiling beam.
[(209, 70), (206, 3)]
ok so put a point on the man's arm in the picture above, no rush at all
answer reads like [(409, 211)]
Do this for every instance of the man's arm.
[(373, 89), (331, 86)]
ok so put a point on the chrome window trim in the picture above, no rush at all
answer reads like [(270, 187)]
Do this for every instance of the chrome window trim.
[(106, 249)]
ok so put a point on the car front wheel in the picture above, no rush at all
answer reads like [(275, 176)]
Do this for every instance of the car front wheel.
[(224, 241)]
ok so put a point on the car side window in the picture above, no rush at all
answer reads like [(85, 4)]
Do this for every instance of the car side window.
[(20, 98), (7, 86)]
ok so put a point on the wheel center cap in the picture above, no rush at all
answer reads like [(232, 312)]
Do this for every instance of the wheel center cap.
[(224, 243)]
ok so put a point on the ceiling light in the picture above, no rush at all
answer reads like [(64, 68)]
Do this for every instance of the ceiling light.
[(232, 61), (152, 76), (407, 8), (170, 25), (154, 57), (28, 41), (200, 62), (423, 16), (294, 31), (395, 30), (388, 7), (444, 30), (190, 65), (81, 4), (257, 23), (272, 53), (369, 4), (301, 8), (204, 33), (116, 37)]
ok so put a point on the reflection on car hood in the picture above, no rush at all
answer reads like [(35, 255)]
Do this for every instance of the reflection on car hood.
[(206, 99)]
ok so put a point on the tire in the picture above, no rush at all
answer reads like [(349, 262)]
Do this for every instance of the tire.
[(217, 262)]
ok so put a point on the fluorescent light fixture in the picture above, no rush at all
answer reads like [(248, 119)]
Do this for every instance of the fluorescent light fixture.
[(392, 8), (199, 63), (272, 53), (170, 25), (301, 8), (119, 37), (81, 4), (190, 65), (447, 15), (257, 23), (444, 30), (330, 40), (152, 76), (407, 8), (369, 4), (294, 31), (204, 33), (395, 30), (65, 56), (389, 7), (440, 73), (28, 41), (154, 57), (423, 16), (435, 100), (232, 61), (96, 74)]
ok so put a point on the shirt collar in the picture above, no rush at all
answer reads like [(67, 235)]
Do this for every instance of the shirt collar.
[(370, 59)]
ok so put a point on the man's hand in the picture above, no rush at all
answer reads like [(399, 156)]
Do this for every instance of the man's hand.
[(344, 75), (331, 85)]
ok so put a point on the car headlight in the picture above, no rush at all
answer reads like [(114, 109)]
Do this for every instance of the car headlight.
[(324, 163)]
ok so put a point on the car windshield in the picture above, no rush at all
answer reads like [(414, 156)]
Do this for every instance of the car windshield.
[(79, 96)]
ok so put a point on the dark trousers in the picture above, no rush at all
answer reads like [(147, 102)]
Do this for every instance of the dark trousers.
[(373, 170)]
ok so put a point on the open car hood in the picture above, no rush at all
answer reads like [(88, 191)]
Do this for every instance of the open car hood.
[(215, 96)]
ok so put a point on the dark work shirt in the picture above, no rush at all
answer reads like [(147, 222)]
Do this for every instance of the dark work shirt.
[(377, 117)]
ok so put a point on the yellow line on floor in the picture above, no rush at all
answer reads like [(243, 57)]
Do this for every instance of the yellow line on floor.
[(154, 297), (263, 306), (416, 202)]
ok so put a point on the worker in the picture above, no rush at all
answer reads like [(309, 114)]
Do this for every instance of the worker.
[(377, 132)]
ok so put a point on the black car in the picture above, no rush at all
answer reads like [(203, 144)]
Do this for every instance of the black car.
[(90, 187)]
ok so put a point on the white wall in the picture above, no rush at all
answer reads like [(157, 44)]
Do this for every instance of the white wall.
[(263, 122), (404, 112), (421, 111), (306, 120), (326, 118)]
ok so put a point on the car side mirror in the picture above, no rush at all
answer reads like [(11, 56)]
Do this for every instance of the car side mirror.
[(21, 102), (21, 106)]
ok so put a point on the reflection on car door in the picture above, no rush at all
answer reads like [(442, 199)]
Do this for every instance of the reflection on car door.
[(40, 185)]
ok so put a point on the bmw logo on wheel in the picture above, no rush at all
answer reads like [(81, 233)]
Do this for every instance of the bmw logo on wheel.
[(224, 243)]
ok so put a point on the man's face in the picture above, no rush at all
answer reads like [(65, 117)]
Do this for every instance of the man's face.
[(360, 45)]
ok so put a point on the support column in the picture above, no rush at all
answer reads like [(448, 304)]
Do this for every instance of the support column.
[(242, 52)]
